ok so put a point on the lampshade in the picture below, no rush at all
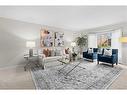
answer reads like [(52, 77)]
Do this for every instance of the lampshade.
[(30, 44), (73, 44), (123, 39)]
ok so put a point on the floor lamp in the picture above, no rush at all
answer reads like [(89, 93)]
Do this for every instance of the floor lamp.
[(30, 45)]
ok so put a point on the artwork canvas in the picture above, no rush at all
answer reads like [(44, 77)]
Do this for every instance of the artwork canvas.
[(46, 38), (59, 40), (104, 40)]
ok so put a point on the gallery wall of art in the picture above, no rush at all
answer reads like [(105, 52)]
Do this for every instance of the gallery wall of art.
[(51, 43), (51, 38)]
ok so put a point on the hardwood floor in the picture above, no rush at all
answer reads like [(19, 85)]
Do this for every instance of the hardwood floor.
[(121, 81), (17, 78)]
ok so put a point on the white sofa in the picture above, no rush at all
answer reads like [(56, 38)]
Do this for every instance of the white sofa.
[(43, 60)]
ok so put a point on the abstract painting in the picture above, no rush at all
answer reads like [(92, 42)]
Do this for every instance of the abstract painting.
[(46, 38), (59, 40), (104, 40)]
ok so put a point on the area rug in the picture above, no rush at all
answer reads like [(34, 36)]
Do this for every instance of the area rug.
[(86, 76)]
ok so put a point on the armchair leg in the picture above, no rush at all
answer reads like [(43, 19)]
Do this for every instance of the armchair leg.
[(116, 63), (97, 62), (112, 65)]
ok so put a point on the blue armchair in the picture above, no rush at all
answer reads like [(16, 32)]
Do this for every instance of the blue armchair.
[(91, 56), (109, 59)]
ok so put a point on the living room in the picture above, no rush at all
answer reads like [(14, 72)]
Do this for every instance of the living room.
[(61, 44)]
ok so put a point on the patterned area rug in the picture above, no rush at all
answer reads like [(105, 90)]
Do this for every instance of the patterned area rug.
[(86, 76)]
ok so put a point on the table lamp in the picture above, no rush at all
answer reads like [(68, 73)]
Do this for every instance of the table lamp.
[(30, 45)]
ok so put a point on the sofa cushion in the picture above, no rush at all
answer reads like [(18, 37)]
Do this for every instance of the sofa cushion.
[(106, 56), (90, 54)]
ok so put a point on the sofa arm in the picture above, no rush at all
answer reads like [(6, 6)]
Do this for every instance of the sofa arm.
[(114, 58), (84, 53), (99, 56), (95, 55)]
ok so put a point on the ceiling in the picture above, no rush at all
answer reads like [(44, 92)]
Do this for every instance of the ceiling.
[(68, 17)]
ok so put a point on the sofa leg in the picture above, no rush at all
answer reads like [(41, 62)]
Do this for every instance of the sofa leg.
[(112, 65), (116, 63), (97, 62)]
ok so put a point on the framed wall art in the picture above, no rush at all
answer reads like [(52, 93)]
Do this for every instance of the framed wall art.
[(59, 39), (46, 38), (104, 40)]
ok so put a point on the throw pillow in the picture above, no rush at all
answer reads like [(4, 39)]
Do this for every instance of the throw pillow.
[(108, 52), (49, 52), (45, 52), (90, 50), (67, 51)]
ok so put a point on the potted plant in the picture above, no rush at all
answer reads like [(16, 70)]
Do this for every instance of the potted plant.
[(82, 42)]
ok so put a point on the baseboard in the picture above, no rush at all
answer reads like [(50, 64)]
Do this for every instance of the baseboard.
[(123, 64)]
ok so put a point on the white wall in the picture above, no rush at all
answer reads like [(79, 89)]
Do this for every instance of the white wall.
[(92, 41), (13, 37), (116, 44)]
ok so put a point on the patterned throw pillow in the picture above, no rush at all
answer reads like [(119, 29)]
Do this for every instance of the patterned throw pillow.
[(90, 50), (49, 52), (108, 52), (66, 51)]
